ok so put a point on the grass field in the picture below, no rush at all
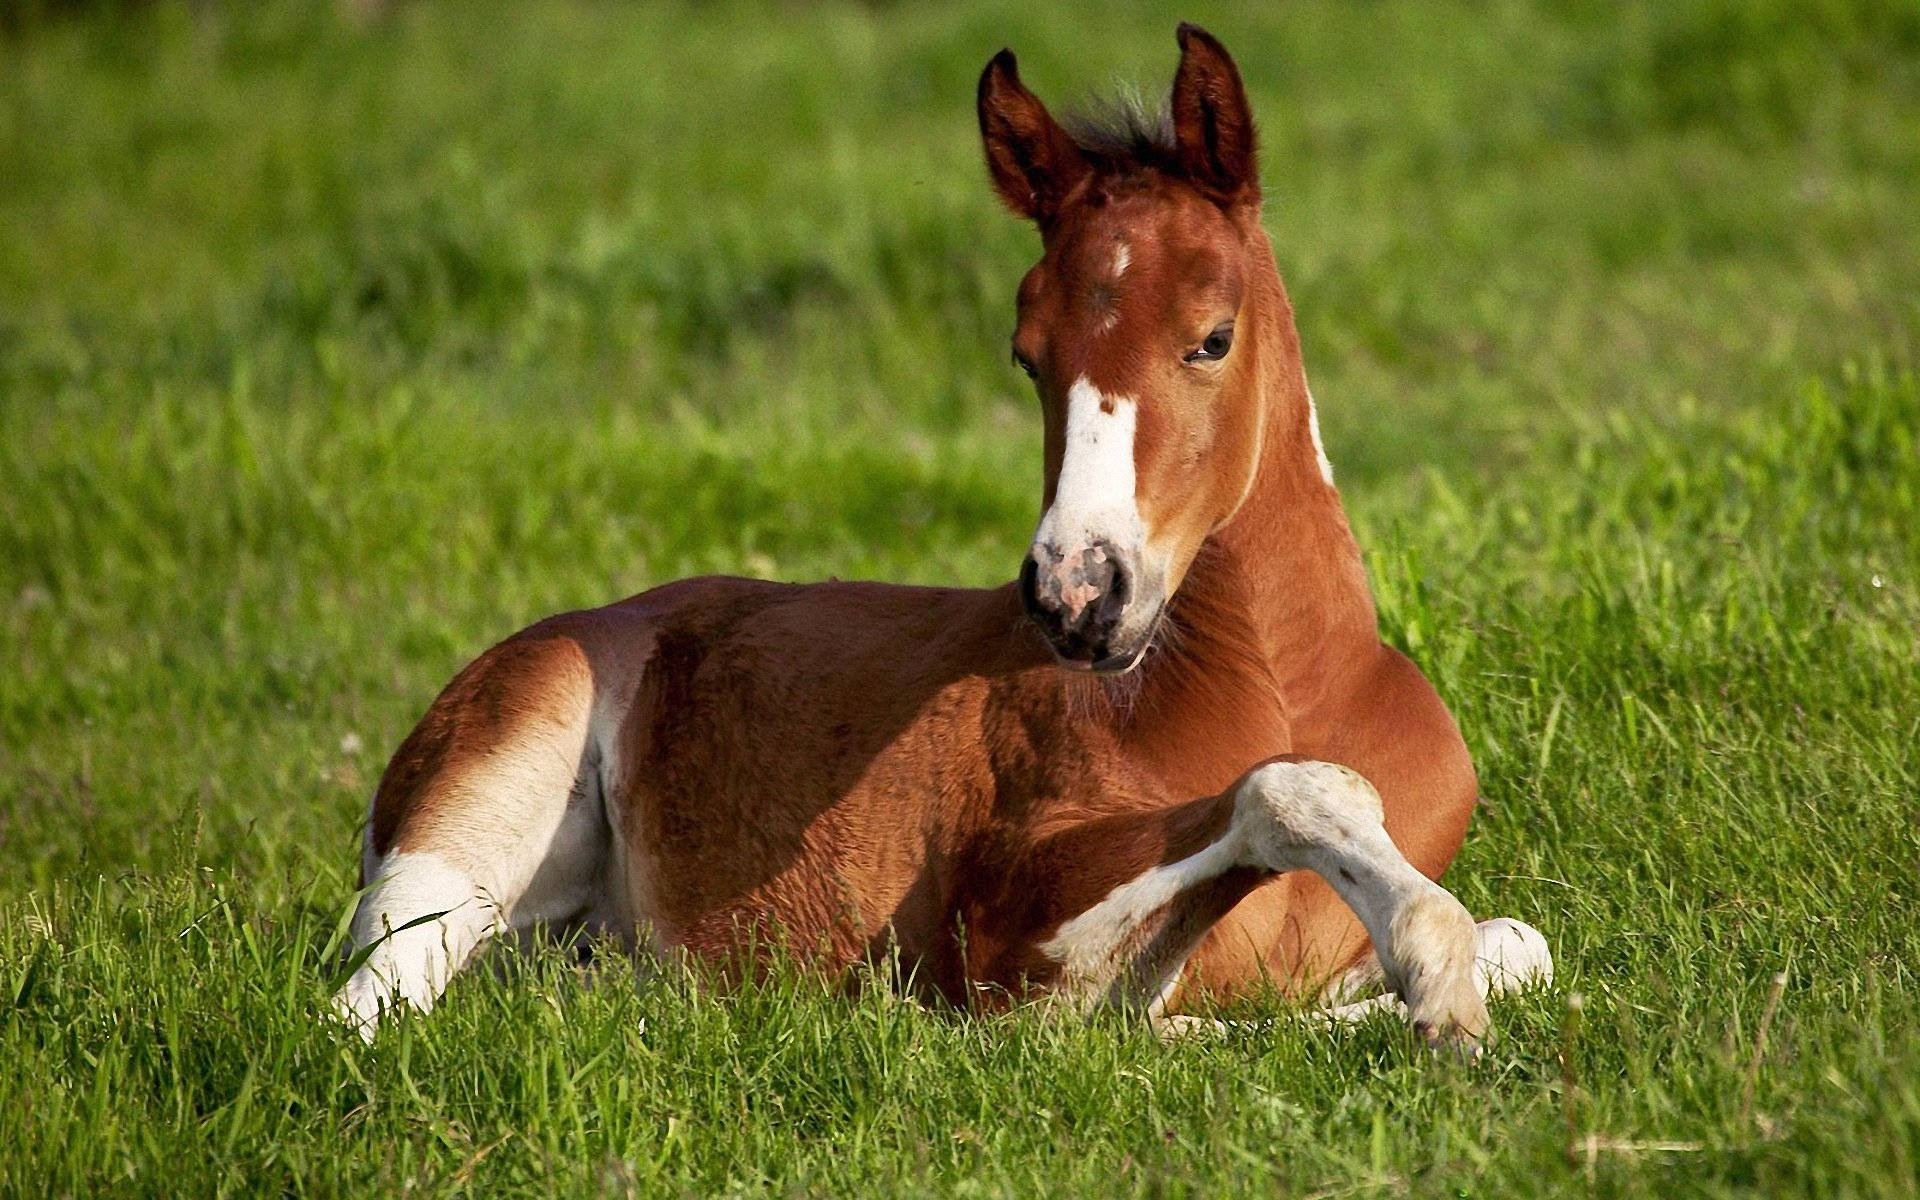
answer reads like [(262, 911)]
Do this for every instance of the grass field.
[(329, 355)]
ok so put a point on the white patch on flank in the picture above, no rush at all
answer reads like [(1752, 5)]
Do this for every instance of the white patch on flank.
[(1319, 447), (1093, 498), (1089, 947), (1122, 259), (628, 880)]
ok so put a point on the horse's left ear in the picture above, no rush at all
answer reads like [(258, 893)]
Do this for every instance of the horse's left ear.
[(1212, 123)]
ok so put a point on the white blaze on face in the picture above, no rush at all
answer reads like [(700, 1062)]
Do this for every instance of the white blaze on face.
[(1093, 499), (1122, 258)]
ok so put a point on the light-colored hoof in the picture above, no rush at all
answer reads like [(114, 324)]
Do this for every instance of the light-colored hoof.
[(1434, 944), (1511, 955), (1453, 1028), (1508, 955)]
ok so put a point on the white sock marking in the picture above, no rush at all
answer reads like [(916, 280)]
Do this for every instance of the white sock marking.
[(1328, 819), (411, 963), (1508, 955), (1089, 946)]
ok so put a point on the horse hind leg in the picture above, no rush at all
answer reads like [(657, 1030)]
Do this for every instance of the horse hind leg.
[(490, 819)]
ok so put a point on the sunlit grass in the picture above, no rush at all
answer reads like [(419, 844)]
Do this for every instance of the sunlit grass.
[(329, 355)]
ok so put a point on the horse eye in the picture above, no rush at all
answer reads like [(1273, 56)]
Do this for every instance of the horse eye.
[(1215, 346), (1020, 360)]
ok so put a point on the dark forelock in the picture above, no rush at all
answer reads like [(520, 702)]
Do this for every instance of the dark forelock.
[(1121, 132)]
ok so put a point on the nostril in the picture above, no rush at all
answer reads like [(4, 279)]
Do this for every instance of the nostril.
[(1116, 588), (1121, 589)]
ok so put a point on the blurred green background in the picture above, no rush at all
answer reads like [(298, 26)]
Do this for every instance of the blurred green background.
[(337, 345)]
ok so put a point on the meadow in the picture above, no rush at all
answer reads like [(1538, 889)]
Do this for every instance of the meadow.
[(331, 352)]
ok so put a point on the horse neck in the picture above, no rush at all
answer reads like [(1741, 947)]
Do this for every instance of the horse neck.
[(1279, 590)]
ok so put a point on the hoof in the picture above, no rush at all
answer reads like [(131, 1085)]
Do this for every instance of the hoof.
[(1434, 944), (1453, 1038), (1512, 955)]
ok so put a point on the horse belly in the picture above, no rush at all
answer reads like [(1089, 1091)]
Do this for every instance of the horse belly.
[(762, 812)]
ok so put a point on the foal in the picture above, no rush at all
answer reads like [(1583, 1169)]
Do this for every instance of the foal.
[(859, 768)]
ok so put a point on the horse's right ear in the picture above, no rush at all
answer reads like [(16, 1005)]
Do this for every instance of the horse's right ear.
[(1033, 161)]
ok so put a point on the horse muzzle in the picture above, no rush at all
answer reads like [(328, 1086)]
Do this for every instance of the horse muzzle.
[(1088, 602)]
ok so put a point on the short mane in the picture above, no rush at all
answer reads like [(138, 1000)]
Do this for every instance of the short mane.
[(1120, 132)]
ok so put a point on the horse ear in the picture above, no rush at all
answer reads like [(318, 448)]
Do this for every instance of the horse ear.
[(1212, 122), (1033, 161)]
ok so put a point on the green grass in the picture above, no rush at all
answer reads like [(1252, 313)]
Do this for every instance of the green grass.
[(329, 355)]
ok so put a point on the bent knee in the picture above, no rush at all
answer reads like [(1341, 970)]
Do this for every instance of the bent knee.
[(1286, 805)]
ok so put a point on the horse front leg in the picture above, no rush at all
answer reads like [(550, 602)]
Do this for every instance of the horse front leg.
[(1126, 945), (1328, 819)]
